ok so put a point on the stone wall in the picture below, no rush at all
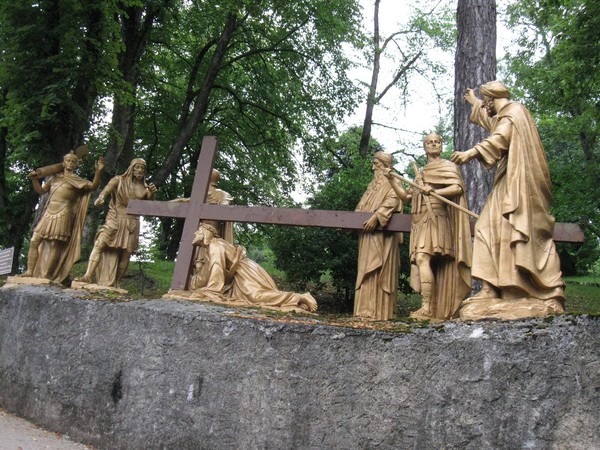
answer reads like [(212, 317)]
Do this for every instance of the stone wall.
[(166, 374)]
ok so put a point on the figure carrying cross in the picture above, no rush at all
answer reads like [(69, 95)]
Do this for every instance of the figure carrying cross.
[(197, 209)]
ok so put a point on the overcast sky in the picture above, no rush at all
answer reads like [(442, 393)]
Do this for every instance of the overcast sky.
[(403, 126)]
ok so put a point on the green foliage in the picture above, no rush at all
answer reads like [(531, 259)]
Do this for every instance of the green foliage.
[(556, 69)]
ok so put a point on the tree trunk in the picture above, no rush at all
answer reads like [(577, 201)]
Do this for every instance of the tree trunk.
[(475, 64), (368, 122), (136, 25), (201, 102)]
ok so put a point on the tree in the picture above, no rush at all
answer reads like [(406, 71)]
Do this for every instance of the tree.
[(306, 254), (55, 59), (268, 77), (425, 29), (556, 70), (475, 64)]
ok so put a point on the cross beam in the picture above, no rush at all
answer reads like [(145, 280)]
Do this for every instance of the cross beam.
[(197, 210)]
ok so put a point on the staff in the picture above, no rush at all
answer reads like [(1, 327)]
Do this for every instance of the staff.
[(438, 196)]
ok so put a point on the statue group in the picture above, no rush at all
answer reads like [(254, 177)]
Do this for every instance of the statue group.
[(512, 251)]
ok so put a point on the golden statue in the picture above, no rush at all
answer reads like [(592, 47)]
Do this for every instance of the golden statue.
[(56, 240), (118, 238), (225, 274), (440, 237), (513, 252), (378, 253)]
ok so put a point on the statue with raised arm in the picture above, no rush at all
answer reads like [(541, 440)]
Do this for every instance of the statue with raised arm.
[(513, 252), (55, 244), (440, 238), (378, 252), (225, 274), (118, 238)]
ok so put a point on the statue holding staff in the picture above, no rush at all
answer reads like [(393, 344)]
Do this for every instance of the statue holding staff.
[(440, 239)]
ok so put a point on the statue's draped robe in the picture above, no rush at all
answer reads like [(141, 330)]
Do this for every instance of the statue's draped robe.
[(62, 223), (233, 277), (378, 255), (444, 233), (120, 230), (513, 247)]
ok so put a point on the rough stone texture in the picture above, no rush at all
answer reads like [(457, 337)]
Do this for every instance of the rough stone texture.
[(167, 374)]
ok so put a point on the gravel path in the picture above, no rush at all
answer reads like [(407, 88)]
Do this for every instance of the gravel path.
[(18, 434)]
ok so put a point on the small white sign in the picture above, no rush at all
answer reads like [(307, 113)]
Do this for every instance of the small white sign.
[(6, 259)]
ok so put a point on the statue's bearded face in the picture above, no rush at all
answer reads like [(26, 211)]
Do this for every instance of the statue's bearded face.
[(202, 236), (378, 166), (488, 104), (139, 171)]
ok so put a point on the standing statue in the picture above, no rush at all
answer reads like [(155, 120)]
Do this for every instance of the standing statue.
[(55, 244), (440, 237), (226, 274), (513, 251), (118, 238), (378, 253)]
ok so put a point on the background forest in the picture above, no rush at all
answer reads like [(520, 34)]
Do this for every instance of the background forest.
[(273, 80)]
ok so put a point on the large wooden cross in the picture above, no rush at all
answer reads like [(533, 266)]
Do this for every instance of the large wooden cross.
[(197, 210)]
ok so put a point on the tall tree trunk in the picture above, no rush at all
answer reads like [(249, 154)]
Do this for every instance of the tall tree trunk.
[(201, 102), (475, 64), (136, 25), (368, 122)]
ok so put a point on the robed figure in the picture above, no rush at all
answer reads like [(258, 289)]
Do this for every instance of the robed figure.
[(118, 238), (225, 274), (378, 253), (513, 251)]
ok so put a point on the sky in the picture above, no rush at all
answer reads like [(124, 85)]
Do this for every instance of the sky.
[(403, 126)]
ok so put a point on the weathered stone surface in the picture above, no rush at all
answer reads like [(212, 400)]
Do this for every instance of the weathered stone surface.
[(168, 374)]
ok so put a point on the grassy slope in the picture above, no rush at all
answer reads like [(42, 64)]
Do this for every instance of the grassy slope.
[(152, 280)]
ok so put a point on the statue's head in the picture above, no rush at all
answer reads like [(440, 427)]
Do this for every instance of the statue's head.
[(70, 161), (494, 89), (204, 234), (491, 92), (215, 176), (432, 144), (382, 160)]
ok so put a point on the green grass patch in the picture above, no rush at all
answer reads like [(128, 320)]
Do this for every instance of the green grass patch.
[(582, 295)]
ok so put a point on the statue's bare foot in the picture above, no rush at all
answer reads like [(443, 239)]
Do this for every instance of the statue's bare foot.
[(308, 302), (84, 279)]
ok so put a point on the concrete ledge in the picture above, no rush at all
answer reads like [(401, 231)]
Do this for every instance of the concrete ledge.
[(166, 374)]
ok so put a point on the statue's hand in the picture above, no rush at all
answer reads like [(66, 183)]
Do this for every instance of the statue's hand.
[(461, 158), (152, 188), (99, 166), (427, 189), (470, 96), (99, 201), (32, 175), (371, 224), (387, 172)]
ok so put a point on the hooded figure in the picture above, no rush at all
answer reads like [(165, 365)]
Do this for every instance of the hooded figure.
[(118, 238)]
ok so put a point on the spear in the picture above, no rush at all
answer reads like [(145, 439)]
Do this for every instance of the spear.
[(438, 196)]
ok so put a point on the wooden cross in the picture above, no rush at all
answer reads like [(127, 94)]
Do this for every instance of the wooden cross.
[(197, 210)]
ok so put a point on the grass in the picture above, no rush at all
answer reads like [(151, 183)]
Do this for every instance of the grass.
[(153, 279)]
